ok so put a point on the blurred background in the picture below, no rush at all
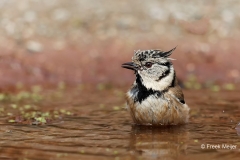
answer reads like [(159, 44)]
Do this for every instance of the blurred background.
[(82, 42)]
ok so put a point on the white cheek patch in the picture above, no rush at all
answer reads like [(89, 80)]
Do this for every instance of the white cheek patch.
[(149, 83)]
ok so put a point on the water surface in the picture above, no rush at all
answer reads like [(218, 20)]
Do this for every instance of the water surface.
[(98, 127)]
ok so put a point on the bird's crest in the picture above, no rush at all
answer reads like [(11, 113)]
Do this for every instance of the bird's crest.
[(146, 54)]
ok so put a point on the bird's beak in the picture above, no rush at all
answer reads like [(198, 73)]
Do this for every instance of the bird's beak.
[(130, 65)]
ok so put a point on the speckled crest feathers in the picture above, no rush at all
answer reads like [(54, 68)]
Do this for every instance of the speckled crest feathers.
[(142, 55)]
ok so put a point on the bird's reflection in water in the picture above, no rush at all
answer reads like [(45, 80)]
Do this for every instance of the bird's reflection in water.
[(166, 142)]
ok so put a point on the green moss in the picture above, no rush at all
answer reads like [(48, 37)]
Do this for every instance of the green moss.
[(36, 89), (188, 85), (61, 85), (2, 96), (215, 88), (56, 116), (68, 113), (192, 78), (33, 114), (82, 151), (36, 97), (116, 108), (23, 95), (9, 114), (80, 87), (40, 119), (62, 110), (101, 87), (197, 86), (45, 114), (27, 106), (55, 112), (119, 93), (14, 106), (11, 121), (102, 106), (229, 86), (19, 85), (58, 94), (27, 115)]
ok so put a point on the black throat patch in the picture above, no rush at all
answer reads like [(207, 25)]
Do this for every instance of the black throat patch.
[(143, 92)]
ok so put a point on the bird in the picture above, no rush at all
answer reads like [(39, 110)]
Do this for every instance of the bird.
[(155, 98)]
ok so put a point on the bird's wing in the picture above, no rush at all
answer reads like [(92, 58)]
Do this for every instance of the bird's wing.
[(177, 93)]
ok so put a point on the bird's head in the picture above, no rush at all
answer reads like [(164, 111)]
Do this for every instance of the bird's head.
[(153, 67)]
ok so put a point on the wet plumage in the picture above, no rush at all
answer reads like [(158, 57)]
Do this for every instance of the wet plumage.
[(155, 97)]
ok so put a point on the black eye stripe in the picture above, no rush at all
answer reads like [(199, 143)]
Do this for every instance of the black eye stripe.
[(165, 64), (149, 64)]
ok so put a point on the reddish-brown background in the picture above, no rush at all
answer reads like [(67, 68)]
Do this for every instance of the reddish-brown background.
[(81, 41)]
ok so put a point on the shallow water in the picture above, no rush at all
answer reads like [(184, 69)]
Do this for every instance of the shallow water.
[(100, 128)]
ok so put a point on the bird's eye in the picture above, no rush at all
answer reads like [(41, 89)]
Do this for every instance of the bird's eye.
[(148, 64)]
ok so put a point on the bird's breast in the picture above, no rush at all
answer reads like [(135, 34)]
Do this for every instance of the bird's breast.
[(155, 109)]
